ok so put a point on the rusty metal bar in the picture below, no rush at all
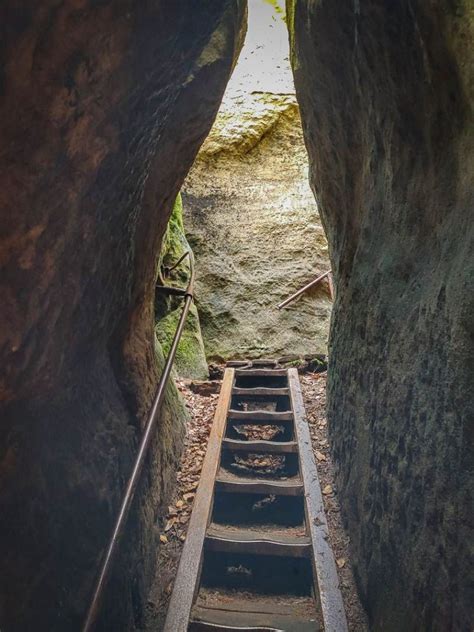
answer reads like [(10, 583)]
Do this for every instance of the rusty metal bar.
[(173, 267), (303, 289), (109, 556)]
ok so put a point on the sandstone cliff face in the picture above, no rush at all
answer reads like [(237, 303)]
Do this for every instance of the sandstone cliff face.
[(385, 92), (103, 107), (249, 212)]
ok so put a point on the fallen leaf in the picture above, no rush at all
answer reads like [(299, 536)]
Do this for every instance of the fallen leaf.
[(341, 562), (170, 523), (163, 539), (327, 490), (179, 504), (320, 456)]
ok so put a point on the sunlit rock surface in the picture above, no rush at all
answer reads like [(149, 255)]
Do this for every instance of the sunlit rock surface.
[(386, 93), (249, 212), (103, 107)]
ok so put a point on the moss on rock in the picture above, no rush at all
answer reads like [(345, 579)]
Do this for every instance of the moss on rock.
[(190, 358)]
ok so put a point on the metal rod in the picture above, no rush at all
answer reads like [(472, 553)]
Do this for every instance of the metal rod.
[(302, 290), (168, 289), (182, 258), (122, 515)]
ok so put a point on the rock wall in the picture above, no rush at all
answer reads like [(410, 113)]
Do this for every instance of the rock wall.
[(103, 107), (190, 361), (386, 90), (249, 212)]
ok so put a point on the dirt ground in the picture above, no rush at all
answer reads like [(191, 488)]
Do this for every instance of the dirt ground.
[(173, 533)]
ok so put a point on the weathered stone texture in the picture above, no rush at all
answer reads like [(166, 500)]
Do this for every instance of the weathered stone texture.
[(250, 214), (257, 237), (103, 106), (385, 90)]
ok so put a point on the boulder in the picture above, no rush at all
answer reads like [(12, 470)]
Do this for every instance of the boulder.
[(103, 107), (386, 93)]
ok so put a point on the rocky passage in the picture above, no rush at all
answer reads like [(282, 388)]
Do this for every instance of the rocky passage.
[(104, 107)]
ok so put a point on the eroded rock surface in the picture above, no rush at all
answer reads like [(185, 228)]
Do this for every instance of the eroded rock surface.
[(249, 212), (385, 91), (103, 107)]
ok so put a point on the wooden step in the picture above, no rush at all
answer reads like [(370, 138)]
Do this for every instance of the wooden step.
[(260, 372), (248, 542), (242, 485), (267, 362), (260, 391), (258, 614), (261, 447), (207, 620), (248, 416), (238, 363)]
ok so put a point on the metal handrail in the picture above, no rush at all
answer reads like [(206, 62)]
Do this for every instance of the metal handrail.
[(130, 489), (307, 287)]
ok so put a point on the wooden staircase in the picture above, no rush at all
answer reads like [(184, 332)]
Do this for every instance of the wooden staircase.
[(257, 555)]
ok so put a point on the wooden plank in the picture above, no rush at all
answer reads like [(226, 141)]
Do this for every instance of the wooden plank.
[(216, 620), (260, 391), (260, 422), (251, 543), (259, 604), (238, 363), (269, 362), (332, 605), (260, 372), (256, 486), (260, 447), (259, 415), (187, 578)]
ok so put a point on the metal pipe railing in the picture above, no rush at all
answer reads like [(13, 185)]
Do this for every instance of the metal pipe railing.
[(307, 287), (130, 489)]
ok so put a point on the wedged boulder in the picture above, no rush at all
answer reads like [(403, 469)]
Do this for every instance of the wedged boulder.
[(385, 90), (249, 213), (103, 107)]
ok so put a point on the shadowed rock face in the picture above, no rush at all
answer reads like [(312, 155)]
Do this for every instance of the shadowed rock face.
[(384, 90), (103, 107)]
